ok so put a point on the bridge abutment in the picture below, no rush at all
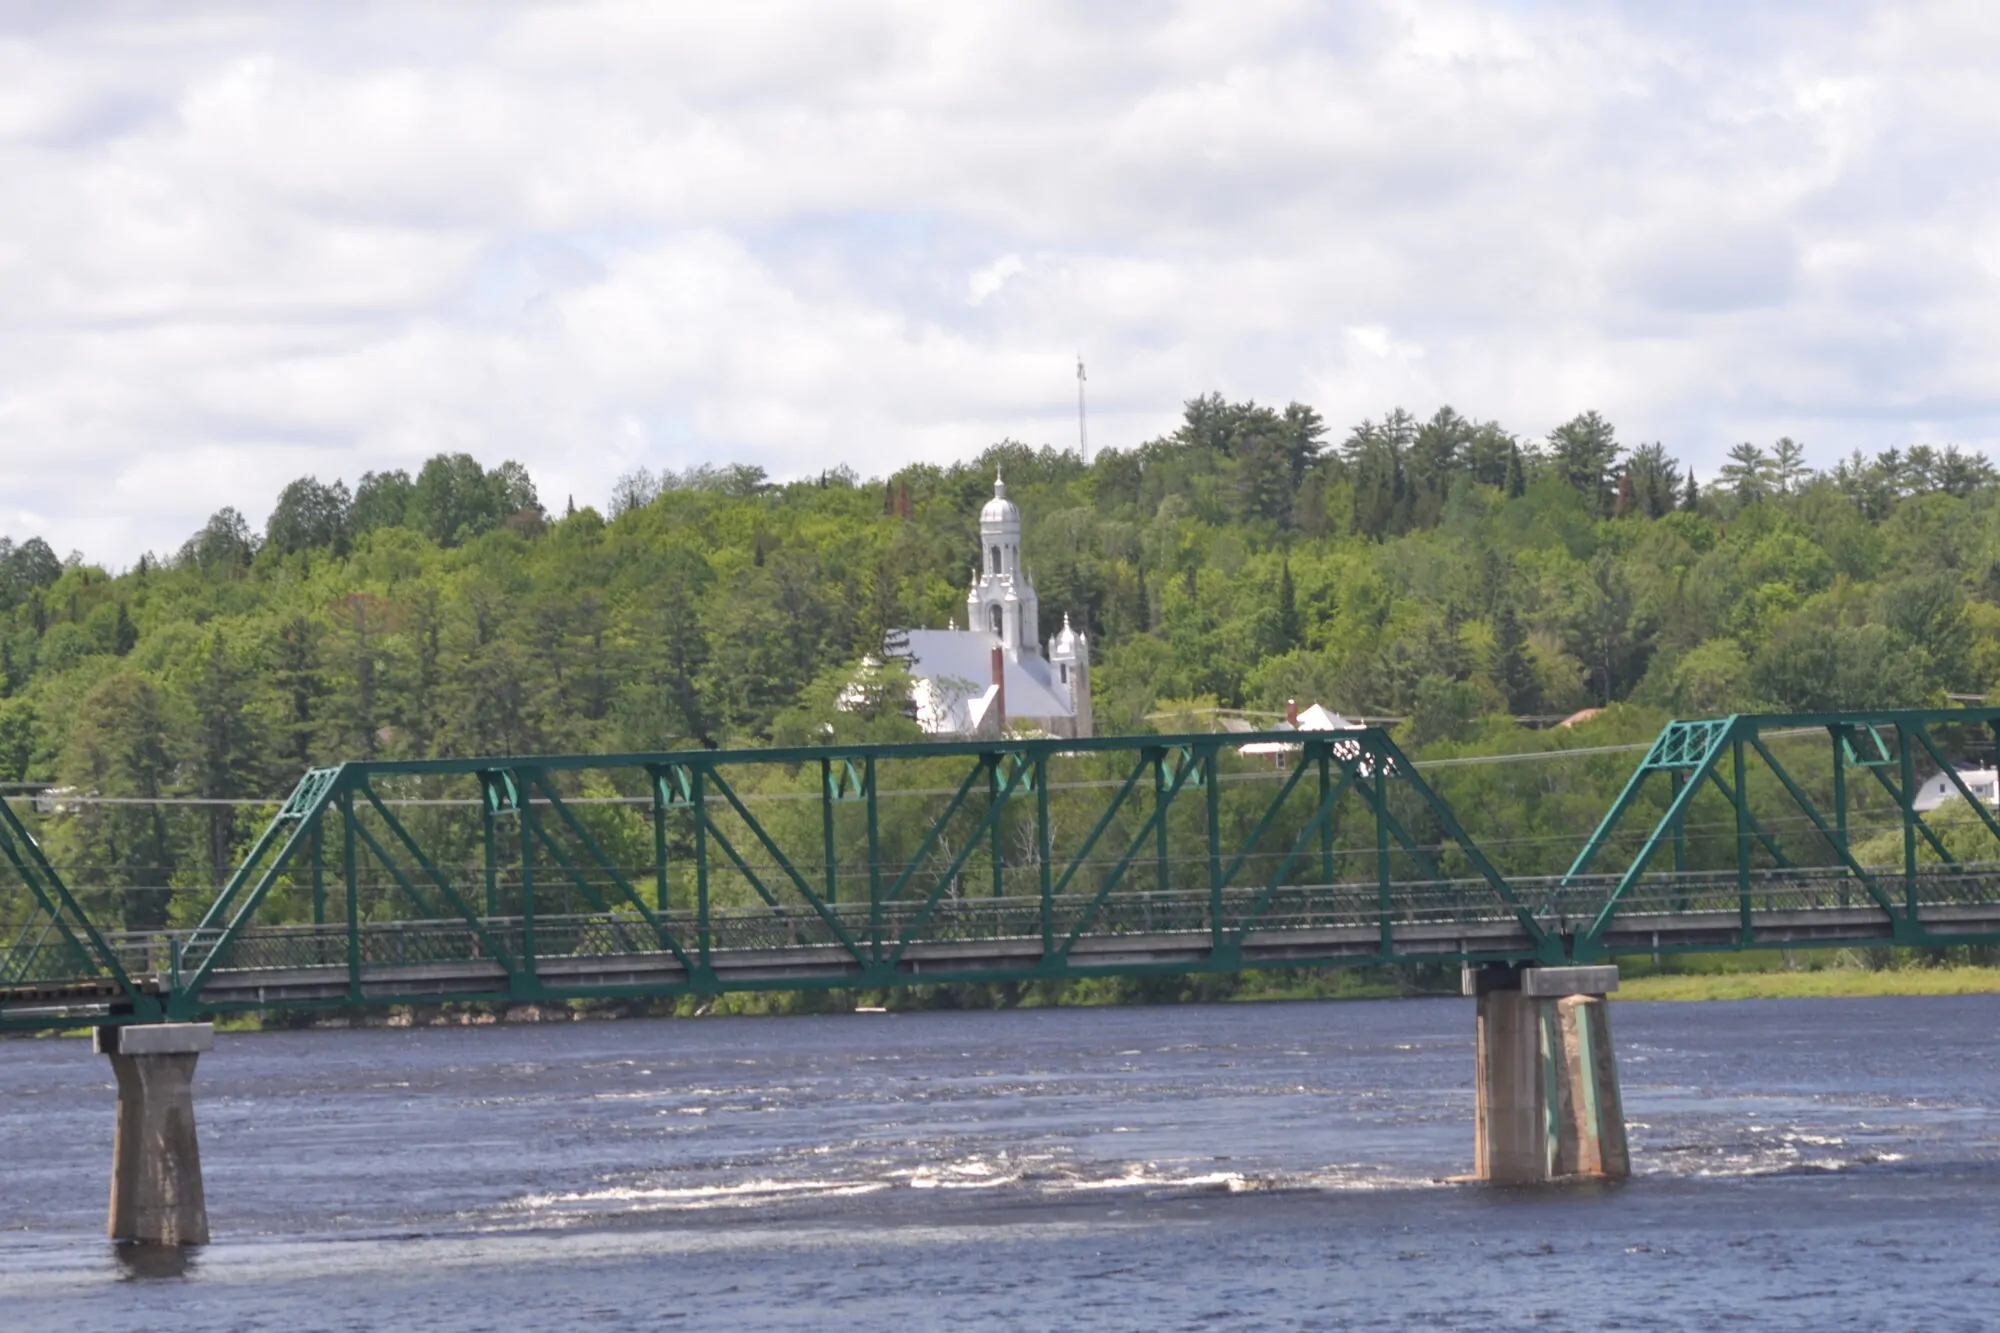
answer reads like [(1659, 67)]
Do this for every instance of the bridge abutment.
[(1548, 1104), (156, 1188)]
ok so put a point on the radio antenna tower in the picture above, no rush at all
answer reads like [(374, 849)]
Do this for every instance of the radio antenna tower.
[(1082, 429)]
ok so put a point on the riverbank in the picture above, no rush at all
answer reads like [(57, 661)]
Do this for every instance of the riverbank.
[(1287, 986), (1824, 983)]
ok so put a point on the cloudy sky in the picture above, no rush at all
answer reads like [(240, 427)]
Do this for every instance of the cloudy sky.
[(243, 242)]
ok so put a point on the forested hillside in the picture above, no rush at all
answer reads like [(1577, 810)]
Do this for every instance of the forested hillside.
[(1443, 571)]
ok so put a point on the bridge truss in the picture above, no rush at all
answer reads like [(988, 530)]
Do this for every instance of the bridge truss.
[(551, 878)]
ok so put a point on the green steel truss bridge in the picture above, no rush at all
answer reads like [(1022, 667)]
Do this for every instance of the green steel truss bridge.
[(701, 872)]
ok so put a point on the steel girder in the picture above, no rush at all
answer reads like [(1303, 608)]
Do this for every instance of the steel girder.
[(554, 877), (699, 872), (1799, 858)]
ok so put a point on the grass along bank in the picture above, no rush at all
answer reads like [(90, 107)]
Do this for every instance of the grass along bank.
[(1823, 983)]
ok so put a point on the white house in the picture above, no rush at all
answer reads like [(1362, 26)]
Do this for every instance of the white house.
[(993, 675), (1939, 788)]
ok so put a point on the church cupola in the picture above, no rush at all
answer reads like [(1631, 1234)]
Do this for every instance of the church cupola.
[(1069, 654), (1002, 599)]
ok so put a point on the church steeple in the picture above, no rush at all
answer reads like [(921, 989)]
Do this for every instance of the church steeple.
[(1002, 600)]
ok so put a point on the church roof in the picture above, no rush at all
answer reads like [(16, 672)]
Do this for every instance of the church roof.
[(966, 656)]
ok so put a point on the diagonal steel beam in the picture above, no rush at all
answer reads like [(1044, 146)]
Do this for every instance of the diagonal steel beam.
[(784, 863), (1322, 818), (41, 878), (1089, 845), (300, 813), (1951, 770), (988, 820), (1749, 816), (936, 830), (1586, 945), (1400, 766), (1838, 844), (451, 894), (1916, 821), (1096, 904), (1264, 823), (596, 853), (729, 850)]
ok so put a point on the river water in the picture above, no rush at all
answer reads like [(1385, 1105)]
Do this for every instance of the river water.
[(1800, 1164)]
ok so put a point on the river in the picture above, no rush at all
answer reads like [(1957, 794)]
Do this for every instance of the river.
[(1800, 1164)]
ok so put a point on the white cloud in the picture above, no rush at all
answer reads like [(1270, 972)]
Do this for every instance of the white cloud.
[(985, 282), (247, 241)]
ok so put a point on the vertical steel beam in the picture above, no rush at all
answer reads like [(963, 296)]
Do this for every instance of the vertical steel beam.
[(1908, 798), (1211, 778), (1380, 793), (996, 849), (1160, 878), (826, 804), (698, 797), (317, 850), (1839, 737), (1676, 780), (1326, 829), (1740, 798), (662, 887), (524, 819), (1044, 854), (492, 864), (350, 868), (874, 864)]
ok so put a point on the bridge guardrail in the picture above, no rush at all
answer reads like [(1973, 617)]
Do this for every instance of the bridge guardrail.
[(166, 955)]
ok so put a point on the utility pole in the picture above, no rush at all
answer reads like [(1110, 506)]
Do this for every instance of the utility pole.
[(1082, 430)]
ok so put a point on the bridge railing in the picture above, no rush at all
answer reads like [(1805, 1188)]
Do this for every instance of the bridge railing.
[(875, 929), (1766, 891), (162, 957)]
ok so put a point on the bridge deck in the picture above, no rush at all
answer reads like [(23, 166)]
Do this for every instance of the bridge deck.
[(421, 962)]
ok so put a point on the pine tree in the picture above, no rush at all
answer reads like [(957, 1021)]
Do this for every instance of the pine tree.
[(1291, 634), (124, 634), (222, 755), (1516, 481), (295, 672), (1584, 451), (1510, 668)]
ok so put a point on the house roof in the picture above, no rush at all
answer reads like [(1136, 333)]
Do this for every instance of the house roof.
[(1315, 718)]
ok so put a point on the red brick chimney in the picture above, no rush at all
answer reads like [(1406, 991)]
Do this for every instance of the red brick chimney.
[(1000, 688), (1292, 711)]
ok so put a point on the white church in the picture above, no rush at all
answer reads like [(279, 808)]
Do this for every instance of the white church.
[(992, 677)]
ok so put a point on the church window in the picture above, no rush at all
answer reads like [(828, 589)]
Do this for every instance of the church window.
[(995, 561), (1065, 673), (995, 618)]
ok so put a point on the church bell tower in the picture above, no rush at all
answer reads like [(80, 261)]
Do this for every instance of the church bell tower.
[(1002, 600)]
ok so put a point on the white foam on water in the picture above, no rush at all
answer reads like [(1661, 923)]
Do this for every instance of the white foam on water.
[(749, 1193), (969, 1175), (1145, 1175)]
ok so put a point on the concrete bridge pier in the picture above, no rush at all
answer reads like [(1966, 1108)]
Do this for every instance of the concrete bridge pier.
[(156, 1192), (1548, 1105)]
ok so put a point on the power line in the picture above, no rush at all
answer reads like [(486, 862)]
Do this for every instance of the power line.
[(1276, 774)]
